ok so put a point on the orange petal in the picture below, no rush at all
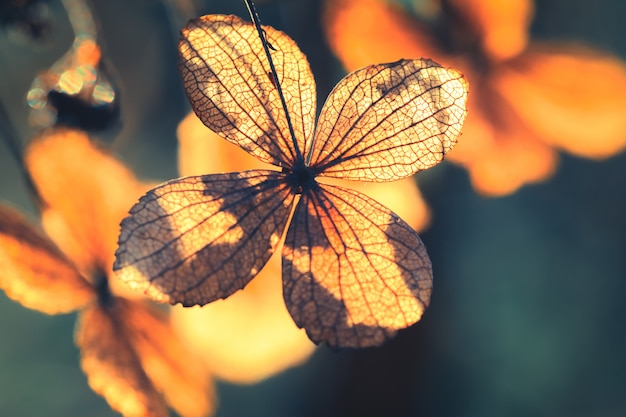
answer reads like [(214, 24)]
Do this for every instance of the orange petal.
[(131, 356), (572, 97), (174, 371), (365, 32), (250, 336), (501, 24), (498, 150), (88, 192), (202, 151), (112, 366), (34, 272)]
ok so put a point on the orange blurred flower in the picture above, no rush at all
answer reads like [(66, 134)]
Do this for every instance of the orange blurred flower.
[(528, 98), (129, 351), (252, 335)]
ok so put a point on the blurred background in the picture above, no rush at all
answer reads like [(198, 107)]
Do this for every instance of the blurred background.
[(527, 315)]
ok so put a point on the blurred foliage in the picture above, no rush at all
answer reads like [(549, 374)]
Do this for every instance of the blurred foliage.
[(526, 318)]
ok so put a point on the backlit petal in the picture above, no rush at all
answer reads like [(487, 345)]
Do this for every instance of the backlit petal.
[(232, 90), (249, 336), (197, 239), (386, 122), (202, 151), (353, 272)]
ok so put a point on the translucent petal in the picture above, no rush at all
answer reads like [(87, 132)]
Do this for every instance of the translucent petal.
[(386, 122), (251, 334), (232, 90), (197, 239), (353, 271), (201, 151), (34, 272)]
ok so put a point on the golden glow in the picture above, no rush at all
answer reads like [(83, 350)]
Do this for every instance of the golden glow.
[(349, 26), (581, 115), (202, 151), (249, 336), (358, 255), (87, 51), (502, 24), (85, 232)]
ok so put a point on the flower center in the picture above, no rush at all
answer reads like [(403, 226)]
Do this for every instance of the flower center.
[(301, 178)]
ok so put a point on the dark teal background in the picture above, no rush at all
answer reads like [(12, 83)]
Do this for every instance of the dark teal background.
[(528, 315)]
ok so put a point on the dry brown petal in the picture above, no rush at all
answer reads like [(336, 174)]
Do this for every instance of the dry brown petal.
[(353, 272), (231, 89), (198, 239), (389, 121), (202, 151)]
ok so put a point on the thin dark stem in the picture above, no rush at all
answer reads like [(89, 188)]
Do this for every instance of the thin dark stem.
[(257, 23), (11, 137)]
